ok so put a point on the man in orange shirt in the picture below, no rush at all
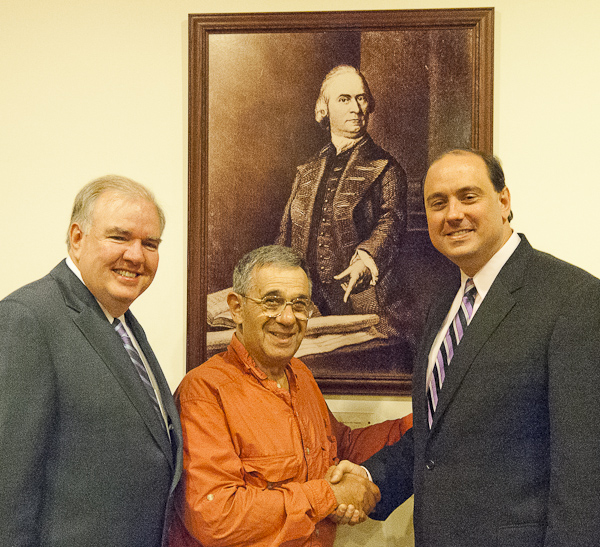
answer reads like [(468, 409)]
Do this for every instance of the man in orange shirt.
[(259, 441)]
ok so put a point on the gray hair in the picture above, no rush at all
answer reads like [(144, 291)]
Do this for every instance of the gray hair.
[(269, 255), (85, 201), (322, 105)]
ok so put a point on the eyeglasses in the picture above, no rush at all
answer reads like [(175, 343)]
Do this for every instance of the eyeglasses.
[(273, 306)]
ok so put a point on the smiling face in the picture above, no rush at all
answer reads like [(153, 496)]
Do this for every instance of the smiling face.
[(348, 105), (271, 342), (466, 217), (118, 257)]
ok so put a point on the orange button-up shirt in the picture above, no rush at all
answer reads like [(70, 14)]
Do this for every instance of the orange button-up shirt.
[(255, 455)]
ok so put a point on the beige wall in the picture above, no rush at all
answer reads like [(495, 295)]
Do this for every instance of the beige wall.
[(100, 86)]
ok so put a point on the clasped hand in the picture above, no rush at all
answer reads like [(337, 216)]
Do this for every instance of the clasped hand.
[(355, 493)]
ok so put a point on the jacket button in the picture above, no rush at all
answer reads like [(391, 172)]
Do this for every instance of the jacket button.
[(430, 465)]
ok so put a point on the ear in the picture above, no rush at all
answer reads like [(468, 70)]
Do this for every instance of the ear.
[(75, 236), (234, 301), (504, 197)]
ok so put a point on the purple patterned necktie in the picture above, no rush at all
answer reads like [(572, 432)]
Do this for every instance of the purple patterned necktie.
[(139, 365), (449, 343)]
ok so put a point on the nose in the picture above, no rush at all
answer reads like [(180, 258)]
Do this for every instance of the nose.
[(134, 252), (286, 317), (455, 210), (354, 106)]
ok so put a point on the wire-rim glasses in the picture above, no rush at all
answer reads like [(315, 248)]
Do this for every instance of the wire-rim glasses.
[(273, 306)]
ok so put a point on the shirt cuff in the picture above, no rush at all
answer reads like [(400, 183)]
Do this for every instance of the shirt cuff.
[(368, 474), (321, 497)]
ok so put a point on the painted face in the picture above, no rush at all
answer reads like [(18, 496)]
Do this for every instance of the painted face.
[(348, 105), (118, 258), (272, 342), (467, 218)]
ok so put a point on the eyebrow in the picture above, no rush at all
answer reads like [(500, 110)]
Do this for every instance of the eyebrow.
[(436, 195), (471, 188), (115, 230), (461, 190), (277, 292), (349, 95)]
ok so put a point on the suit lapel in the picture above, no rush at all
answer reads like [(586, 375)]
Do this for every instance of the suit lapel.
[(163, 386), (92, 323), (435, 318), (309, 178), (497, 304), (360, 173)]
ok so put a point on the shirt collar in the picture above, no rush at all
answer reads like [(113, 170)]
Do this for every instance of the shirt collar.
[(245, 357), (485, 277), (250, 365), (344, 143), (77, 272)]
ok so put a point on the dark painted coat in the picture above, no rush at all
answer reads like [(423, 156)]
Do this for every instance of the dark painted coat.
[(369, 213)]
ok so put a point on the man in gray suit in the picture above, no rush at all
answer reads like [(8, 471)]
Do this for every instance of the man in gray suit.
[(90, 440), (505, 444), (347, 209)]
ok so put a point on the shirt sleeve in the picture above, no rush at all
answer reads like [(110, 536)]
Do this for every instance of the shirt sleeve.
[(358, 445), (224, 504)]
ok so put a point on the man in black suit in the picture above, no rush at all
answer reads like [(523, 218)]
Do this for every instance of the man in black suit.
[(505, 444), (347, 209), (90, 440)]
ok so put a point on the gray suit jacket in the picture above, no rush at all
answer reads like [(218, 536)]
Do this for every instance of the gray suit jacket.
[(513, 455), (85, 459)]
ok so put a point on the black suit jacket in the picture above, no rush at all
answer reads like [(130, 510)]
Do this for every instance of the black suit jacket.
[(85, 459), (513, 455)]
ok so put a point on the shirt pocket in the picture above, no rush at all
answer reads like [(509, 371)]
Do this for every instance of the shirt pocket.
[(271, 471)]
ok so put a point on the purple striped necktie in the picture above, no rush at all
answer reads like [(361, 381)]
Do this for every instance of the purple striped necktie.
[(449, 343), (139, 365)]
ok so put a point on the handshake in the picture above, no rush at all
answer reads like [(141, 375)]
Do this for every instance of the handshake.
[(356, 495)]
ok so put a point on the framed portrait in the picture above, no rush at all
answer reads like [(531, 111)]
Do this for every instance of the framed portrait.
[(255, 145)]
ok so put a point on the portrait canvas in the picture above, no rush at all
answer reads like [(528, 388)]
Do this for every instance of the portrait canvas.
[(254, 81)]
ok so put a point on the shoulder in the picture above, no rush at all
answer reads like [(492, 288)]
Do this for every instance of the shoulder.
[(370, 153), (208, 379), (548, 269), (304, 376), (316, 159), (36, 297), (33, 322), (300, 369), (551, 284)]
